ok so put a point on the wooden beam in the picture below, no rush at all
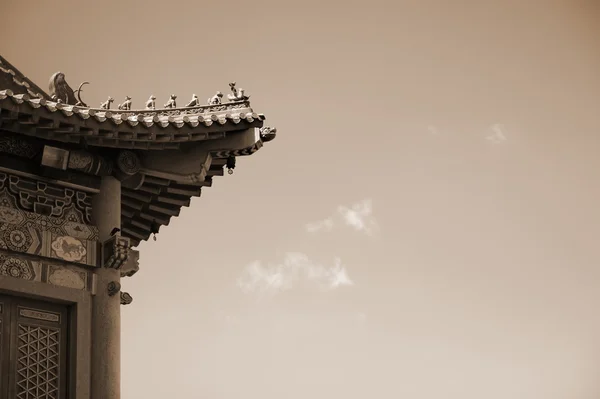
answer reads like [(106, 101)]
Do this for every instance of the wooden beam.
[(156, 181), (127, 212), (174, 199), (132, 203), (164, 208), (152, 216), (141, 223), (184, 190), (135, 194), (148, 188), (215, 172), (134, 232)]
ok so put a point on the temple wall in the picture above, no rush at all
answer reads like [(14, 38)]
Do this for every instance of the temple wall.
[(50, 251), (55, 245)]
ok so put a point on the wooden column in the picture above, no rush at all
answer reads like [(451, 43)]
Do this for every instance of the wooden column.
[(106, 316)]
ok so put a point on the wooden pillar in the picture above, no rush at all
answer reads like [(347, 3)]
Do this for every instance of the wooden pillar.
[(106, 316)]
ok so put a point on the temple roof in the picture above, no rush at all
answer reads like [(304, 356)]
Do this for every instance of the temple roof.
[(11, 78), (196, 143), (143, 129)]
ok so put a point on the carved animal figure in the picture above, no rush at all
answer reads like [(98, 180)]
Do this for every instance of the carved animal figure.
[(171, 103), (216, 99), (106, 104), (126, 105), (80, 102), (267, 133), (237, 94), (60, 91), (151, 103), (233, 89), (194, 102)]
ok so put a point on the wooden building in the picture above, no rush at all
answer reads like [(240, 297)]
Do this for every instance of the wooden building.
[(79, 187)]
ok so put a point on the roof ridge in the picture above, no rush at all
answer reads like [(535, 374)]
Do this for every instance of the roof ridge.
[(126, 129), (20, 79)]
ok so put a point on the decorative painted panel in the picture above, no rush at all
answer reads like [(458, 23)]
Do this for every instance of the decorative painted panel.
[(17, 267), (60, 275), (30, 239), (45, 199), (68, 227), (65, 276), (70, 249)]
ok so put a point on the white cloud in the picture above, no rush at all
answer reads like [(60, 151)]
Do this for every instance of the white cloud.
[(497, 136), (433, 130), (323, 225), (358, 216), (275, 278)]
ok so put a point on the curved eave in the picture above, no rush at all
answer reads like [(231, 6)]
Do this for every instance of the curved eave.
[(138, 129), (157, 200)]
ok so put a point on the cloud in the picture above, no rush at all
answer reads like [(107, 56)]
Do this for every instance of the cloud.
[(295, 267), (358, 216), (433, 130), (323, 225), (497, 136)]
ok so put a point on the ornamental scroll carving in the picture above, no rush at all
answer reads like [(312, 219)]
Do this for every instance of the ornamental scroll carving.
[(115, 251), (113, 288), (19, 146), (132, 265), (205, 109), (16, 267), (128, 162), (85, 162), (126, 299), (79, 160)]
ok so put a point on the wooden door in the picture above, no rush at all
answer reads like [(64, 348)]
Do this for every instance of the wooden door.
[(33, 349)]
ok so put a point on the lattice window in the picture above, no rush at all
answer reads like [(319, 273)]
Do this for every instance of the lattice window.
[(38, 362)]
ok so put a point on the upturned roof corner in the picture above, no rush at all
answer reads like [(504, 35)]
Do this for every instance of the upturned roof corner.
[(162, 155)]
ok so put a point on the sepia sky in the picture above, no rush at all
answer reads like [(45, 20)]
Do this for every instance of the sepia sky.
[(425, 225)]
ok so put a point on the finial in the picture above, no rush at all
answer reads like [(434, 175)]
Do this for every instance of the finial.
[(267, 133), (237, 94)]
